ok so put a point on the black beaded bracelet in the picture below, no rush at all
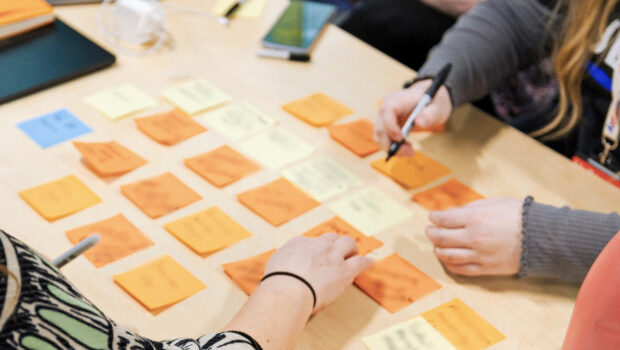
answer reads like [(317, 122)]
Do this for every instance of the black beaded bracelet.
[(284, 273)]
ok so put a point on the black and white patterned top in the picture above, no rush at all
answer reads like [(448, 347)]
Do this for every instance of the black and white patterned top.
[(41, 310)]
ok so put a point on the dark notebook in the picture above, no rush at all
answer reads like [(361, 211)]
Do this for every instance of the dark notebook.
[(46, 57)]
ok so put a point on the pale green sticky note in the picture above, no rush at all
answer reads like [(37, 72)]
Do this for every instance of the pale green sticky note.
[(413, 334), (370, 211), (120, 101), (321, 178), (250, 9), (276, 148), (237, 120), (195, 96)]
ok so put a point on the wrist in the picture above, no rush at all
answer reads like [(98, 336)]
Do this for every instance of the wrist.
[(289, 291), (429, 80)]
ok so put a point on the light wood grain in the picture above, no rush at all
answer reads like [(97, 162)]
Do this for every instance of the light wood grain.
[(493, 159)]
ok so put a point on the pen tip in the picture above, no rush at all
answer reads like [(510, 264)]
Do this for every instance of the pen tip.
[(223, 21)]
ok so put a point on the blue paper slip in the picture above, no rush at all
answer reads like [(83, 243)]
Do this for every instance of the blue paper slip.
[(53, 128)]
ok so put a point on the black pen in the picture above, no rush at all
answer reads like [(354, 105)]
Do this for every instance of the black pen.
[(224, 20), (285, 55), (426, 99)]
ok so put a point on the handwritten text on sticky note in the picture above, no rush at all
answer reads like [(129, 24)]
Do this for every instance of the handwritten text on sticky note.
[(53, 128)]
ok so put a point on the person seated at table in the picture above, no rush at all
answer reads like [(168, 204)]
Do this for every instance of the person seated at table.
[(41, 309), (507, 236), (496, 39), (407, 30), (488, 44)]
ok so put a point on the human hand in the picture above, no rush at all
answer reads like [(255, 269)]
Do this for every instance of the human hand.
[(481, 238), (329, 263), (397, 107)]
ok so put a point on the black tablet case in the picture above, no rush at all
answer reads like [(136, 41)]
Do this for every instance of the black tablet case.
[(46, 57)]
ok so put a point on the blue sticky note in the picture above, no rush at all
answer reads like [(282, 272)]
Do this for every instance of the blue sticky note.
[(53, 128)]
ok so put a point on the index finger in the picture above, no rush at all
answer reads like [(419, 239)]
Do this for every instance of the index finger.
[(389, 120), (451, 218), (358, 263)]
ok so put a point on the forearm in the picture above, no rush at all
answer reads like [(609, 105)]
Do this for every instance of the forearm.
[(453, 8), (276, 313), (562, 243), (489, 44)]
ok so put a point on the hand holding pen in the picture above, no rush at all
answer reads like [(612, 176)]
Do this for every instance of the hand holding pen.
[(400, 107)]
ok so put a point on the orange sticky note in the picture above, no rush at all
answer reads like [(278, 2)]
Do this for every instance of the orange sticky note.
[(277, 202), (159, 283), (394, 283), (119, 238), (108, 158), (462, 326), (357, 136), (222, 166), (207, 231), (170, 127), (435, 128), (59, 198), (365, 244), (411, 172), (246, 274), (317, 109), (160, 195), (448, 195)]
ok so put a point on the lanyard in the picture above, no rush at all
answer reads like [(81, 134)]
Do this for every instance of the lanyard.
[(610, 135)]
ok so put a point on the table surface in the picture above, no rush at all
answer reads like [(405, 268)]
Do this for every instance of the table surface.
[(493, 159)]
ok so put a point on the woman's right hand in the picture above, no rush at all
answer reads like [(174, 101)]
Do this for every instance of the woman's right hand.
[(396, 109), (329, 263)]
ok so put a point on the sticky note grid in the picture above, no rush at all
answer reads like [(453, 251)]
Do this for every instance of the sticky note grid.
[(306, 180)]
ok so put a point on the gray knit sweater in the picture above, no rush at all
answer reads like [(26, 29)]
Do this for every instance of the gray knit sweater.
[(487, 46)]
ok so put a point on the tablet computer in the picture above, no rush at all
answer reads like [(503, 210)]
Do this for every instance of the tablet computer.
[(299, 26), (71, 2)]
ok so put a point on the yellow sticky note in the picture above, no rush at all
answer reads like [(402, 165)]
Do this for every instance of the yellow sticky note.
[(237, 120), (317, 109), (416, 333), (462, 326), (120, 101), (195, 96), (276, 148), (159, 283), (250, 9), (59, 198), (321, 178), (207, 231), (370, 211)]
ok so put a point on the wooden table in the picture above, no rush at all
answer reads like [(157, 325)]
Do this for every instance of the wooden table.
[(493, 159)]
